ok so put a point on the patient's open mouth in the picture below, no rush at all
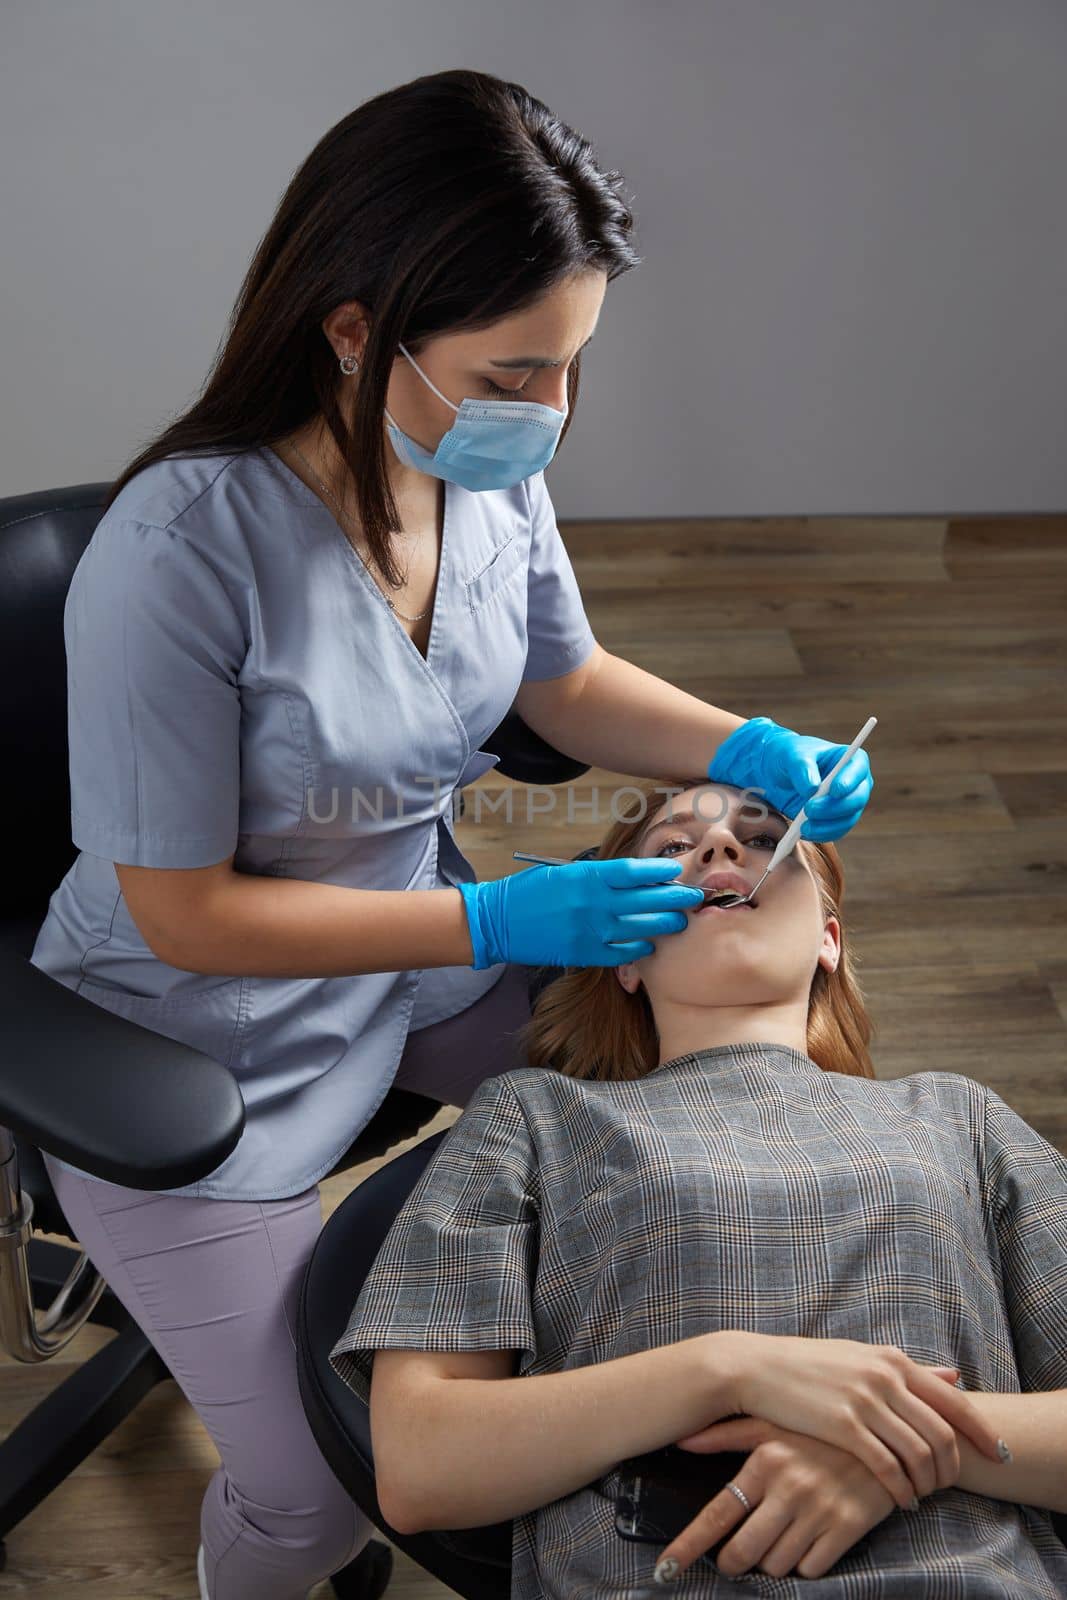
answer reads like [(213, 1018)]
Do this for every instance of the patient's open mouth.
[(722, 903)]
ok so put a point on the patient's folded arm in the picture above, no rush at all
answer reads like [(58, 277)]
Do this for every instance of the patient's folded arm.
[(1034, 1427), (477, 1451)]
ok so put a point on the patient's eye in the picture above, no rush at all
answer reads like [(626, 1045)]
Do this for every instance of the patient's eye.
[(687, 844)]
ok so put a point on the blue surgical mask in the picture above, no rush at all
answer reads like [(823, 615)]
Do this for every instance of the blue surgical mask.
[(493, 444)]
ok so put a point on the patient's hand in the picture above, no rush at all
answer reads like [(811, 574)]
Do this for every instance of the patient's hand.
[(811, 1501)]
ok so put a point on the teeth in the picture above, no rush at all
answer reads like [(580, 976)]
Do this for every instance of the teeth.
[(720, 894)]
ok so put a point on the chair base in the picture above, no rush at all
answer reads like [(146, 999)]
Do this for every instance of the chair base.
[(87, 1407), (82, 1411)]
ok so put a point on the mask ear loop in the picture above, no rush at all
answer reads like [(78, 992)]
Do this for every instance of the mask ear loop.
[(425, 379), (430, 381)]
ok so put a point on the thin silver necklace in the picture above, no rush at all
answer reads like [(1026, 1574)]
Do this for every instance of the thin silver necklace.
[(333, 497)]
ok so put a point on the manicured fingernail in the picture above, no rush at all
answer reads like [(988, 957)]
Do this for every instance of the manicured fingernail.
[(666, 1571), (1003, 1452), (913, 1504)]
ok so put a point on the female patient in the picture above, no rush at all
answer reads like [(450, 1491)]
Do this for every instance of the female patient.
[(698, 1203)]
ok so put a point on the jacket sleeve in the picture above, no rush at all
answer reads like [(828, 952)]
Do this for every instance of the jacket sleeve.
[(456, 1270), (1024, 1181)]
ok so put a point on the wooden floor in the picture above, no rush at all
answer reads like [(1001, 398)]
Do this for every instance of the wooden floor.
[(954, 634)]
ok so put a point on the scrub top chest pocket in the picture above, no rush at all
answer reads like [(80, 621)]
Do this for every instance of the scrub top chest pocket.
[(502, 569)]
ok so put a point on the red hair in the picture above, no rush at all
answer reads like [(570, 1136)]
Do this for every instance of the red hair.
[(585, 1025)]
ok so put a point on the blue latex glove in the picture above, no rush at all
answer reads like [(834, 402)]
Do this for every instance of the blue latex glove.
[(786, 768), (569, 915)]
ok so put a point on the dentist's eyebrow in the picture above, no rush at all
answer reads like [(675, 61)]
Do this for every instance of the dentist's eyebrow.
[(690, 816), (519, 362)]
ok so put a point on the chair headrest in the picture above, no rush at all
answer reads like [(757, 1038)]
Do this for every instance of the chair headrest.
[(42, 538)]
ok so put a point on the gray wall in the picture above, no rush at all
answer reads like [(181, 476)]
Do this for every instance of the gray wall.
[(854, 297)]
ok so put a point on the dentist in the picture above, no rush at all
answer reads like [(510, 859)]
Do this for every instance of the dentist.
[(305, 606)]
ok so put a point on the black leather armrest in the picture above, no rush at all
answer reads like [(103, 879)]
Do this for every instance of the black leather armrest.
[(528, 758), (124, 1102)]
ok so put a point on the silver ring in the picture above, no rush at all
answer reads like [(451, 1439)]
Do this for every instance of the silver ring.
[(741, 1495)]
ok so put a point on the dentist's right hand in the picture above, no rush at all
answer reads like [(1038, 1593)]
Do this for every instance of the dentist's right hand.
[(581, 914)]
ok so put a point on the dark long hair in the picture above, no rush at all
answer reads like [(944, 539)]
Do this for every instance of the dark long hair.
[(442, 205)]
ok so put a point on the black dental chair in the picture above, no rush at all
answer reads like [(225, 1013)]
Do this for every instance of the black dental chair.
[(134, 1107), (137, 1108)]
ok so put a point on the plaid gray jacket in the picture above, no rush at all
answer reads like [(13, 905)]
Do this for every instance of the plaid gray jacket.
[(742, 1187)]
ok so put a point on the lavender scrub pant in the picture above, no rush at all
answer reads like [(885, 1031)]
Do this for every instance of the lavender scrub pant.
[(215, 1285)]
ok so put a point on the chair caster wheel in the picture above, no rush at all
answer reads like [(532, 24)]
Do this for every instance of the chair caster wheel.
[(367, 1577)]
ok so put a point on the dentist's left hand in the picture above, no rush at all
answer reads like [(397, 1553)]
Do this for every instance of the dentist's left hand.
[(786, 768)]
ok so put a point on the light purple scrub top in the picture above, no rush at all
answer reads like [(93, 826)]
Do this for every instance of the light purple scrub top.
[(237, 684)]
